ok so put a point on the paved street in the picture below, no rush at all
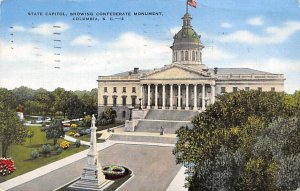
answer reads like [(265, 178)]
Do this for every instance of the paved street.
[(153, 166)]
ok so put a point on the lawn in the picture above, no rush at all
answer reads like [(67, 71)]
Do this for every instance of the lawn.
[(21, 154), (88, 138)]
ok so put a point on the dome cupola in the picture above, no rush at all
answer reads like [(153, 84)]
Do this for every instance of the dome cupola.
[(187, 46)]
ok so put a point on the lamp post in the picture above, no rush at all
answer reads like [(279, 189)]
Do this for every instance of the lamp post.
[(140, 108), (130, 112)]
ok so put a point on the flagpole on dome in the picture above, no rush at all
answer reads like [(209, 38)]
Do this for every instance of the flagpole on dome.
[(187, 7)]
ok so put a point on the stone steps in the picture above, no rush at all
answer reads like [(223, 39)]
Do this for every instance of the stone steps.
[(155, 126), (171, 115)]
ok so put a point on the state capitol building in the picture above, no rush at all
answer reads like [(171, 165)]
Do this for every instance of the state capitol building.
[(185, 84)]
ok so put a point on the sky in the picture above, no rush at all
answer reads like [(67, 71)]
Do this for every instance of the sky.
[(46, 44)]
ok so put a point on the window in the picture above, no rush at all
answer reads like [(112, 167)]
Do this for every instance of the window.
[(273, 89), (124, 114), (234, 89), (105, 89), (176, 56), (193, 55), (181, 55), (186, 55), (133, 98), (259, 89), (133, 90), (223, 89), (124, 100), (114, 100), (105, 100), (197, 55), (115, 89), (124, 89), (247, 88), (208, 89)]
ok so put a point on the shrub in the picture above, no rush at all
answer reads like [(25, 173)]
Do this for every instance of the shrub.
[(35, 154), (81, 124), (44, 124), (71, 133), (56, 147), (6, 166), (45, 128), (82, 132), (74, 125), (66, 129), (65, 145), (46, 149), (77, 143), (88, 131), (58, 151)]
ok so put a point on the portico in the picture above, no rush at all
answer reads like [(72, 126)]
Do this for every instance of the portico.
[(173, 96)]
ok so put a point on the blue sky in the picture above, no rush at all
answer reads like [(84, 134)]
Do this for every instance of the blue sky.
[(263, 35)]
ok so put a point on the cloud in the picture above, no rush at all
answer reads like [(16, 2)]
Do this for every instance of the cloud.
[(273, 35), (211, 54), (226, 25), (79, 70), (255, 21), (84, 40), (174, 30), (45, 29), (17, 28)]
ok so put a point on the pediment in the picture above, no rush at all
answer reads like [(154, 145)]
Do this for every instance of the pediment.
[(175, 72)]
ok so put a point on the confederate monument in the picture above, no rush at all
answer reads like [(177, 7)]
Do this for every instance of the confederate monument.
[(92, 177)]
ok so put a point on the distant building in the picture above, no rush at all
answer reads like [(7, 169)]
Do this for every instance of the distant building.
[(185, 84)]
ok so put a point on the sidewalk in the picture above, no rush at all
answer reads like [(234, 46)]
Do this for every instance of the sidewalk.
[(73, 140)]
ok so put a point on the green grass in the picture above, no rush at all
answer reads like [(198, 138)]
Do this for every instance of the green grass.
[(21, 154), (100, 128), (88, 138)]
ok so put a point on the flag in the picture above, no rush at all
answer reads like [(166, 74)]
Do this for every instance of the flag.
[(192, 3)]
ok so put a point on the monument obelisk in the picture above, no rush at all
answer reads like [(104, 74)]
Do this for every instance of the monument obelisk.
[(92, 177)]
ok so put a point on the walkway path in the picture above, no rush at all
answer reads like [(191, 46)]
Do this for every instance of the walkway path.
[(73, 140), (133, 155)]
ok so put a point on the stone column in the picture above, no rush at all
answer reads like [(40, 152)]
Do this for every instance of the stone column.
[(149, 102), (195, 97), (213, 94), (203, 97), (186, 97), (171, 96), (156, 92), (164, 97), (179, 97), (142, 96)]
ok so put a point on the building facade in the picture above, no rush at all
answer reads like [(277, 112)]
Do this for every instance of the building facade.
[(185, 84)]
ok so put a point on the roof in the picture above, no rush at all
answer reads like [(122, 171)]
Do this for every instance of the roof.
[(123, 74), (221, 71), (238, 71)]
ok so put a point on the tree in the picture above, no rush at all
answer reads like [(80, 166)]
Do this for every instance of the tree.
[(74, 107), (23, 94), (30, 134), (89, 100), (11, 129), (234, 124), (55, 131)]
